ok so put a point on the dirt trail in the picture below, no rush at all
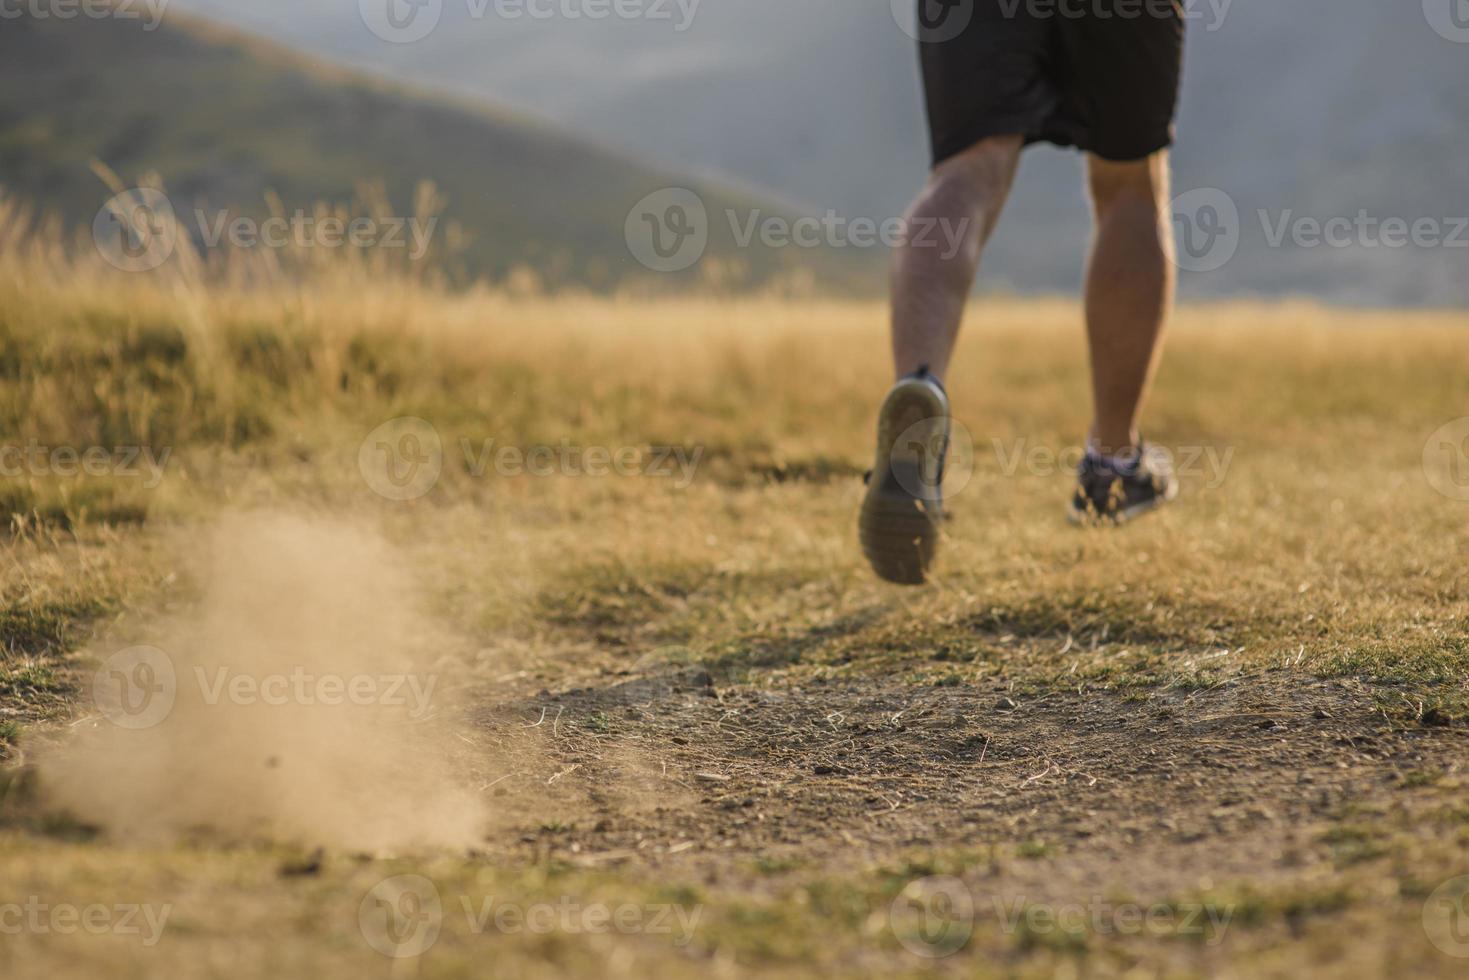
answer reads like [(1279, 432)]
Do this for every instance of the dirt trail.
[(1235, 780)]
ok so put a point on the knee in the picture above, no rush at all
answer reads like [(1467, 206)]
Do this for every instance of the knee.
[(973, 182), (967, 191), (1134, 185)]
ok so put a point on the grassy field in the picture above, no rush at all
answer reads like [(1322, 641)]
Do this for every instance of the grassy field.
[(665, 722)]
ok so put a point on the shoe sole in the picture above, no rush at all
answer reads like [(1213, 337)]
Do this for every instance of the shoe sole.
[(1082, 518), (899, 521)]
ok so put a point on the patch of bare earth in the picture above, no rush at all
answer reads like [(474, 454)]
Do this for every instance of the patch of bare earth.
[(1233, 781)]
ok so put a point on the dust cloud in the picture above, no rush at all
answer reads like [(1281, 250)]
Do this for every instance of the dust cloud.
[(302, 699)]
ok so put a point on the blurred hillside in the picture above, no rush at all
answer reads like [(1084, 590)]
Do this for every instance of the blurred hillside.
[(226, 120)]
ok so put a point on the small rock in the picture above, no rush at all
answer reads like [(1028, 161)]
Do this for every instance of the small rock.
[(306, 867)]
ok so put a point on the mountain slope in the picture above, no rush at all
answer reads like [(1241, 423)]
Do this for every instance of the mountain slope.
[(225, 120)]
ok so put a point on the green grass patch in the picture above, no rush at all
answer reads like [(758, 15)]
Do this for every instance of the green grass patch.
[(46, 628)]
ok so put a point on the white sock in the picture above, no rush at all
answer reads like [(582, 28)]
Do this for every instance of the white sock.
[(1121, 463)]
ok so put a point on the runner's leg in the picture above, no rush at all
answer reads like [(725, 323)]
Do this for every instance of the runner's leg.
[(933, 271), (1129, 291)]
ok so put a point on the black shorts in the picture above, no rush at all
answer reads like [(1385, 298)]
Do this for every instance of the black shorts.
[(1101, 75)]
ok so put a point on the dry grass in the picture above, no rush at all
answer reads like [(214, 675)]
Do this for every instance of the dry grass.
[(1320, 549)]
